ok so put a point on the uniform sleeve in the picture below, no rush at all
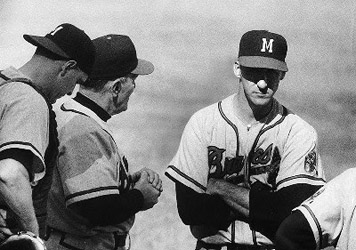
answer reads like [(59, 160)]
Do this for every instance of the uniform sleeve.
[(268, 209), (86, 165), (328, 210), (24, 123), (295, 233), (300, 160), (201, 209), (190, 164), (110, 209), (22, 156)]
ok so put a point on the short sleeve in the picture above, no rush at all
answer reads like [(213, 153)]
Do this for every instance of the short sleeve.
[(190, 164), (24, 123), (300, 161), (87, 167)]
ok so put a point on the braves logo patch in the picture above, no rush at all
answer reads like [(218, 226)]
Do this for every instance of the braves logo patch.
[(310, 162)]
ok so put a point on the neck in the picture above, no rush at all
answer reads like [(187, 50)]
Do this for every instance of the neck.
[(249, 112), (41, 73), (96, 97)]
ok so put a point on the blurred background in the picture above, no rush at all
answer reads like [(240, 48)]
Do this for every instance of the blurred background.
[(193, 45)]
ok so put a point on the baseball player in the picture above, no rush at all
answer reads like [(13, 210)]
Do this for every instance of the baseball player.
[(28, 136), (245, 162), (94, 198), (325, 219)]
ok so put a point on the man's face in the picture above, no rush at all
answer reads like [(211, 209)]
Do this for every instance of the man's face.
[(260, 84), (127, 87)]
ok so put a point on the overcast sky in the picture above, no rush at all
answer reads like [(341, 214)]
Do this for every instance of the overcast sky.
[(193, 44)]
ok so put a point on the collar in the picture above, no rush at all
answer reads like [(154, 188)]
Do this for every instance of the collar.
[(99, 111), (12, 72)]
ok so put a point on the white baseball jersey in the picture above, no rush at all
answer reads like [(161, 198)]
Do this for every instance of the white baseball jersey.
[(90, 166), (331, 212), (279, 151)]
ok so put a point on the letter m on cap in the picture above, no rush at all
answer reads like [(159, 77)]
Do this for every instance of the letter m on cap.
[(267, 46)]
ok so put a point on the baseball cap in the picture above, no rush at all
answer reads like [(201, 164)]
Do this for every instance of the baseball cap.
[(263, 49), (116, 57), (69, 42)]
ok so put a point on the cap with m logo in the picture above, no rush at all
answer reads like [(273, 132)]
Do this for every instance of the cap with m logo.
[(68, 42), (263, 49)]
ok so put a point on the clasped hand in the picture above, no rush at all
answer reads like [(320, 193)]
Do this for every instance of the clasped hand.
[(149, 184)]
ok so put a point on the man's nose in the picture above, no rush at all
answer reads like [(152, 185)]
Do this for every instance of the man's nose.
[(261, 84)]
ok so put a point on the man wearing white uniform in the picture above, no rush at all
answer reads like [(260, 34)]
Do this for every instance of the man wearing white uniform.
[(245, 162)]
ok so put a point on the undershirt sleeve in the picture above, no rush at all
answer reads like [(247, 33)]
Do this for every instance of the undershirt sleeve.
[(268, 209), (201, 209), (110, 209), (295, 233)]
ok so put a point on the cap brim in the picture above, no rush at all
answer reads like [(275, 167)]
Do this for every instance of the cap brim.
[(143, 68), (46, 43), (262, 62)]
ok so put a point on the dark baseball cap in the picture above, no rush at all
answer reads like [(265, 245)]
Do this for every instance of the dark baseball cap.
[(263, 49), (116, 57), (69, 42)]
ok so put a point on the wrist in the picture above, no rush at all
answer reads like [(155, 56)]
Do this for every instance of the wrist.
[(213, 187)]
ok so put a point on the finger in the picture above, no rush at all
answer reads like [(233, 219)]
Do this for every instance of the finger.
[(150, 174), (144, 175), (156, 179), (159, 186)]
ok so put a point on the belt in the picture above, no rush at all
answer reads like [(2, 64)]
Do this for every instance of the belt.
[(75, 242), (201, 245)]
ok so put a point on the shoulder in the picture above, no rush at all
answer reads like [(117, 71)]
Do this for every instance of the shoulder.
[(21, 93), (347, 177), (80, 127), (76, 123), (213, 112), (296, 124)]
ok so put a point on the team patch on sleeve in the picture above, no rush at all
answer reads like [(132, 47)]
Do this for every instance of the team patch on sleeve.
[(310, 162)]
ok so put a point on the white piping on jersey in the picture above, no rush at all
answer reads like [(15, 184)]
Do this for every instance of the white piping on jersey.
[(319, 235), (300, 179), (186, 177), (247, 160)]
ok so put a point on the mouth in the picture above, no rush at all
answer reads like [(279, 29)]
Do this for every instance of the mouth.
[(261, 94)]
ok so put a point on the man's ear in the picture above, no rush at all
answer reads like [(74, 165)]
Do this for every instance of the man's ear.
[(68, 65), (237, 70), (116, 87)]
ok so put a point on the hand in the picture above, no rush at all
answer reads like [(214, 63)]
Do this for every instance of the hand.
[(149, 192), (153, 178)]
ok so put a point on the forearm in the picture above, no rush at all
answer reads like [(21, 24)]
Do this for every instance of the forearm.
[(17, 193), (236, 197)]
